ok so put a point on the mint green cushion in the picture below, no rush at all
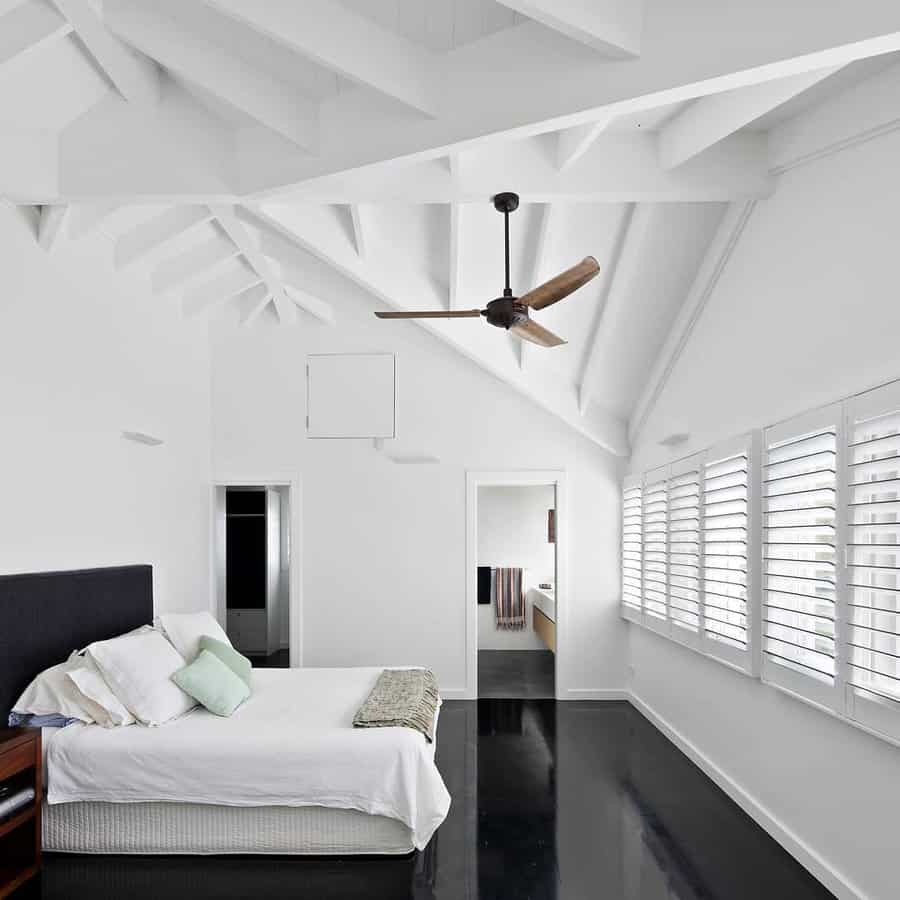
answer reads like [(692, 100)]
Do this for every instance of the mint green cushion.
[(238, 664), (209, 681)]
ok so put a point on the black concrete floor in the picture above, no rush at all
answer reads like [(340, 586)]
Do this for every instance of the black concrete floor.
[(551, 801), (519, 674)]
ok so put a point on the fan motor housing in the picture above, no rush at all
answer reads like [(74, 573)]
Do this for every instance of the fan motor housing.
[(504, 312)]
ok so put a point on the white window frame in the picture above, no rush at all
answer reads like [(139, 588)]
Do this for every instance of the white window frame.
[(628, 611), (659, 624), (677, 632)]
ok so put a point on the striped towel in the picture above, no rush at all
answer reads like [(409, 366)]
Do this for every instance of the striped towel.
[(509, 599)]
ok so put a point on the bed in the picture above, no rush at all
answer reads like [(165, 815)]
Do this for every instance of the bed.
[(286, 774)]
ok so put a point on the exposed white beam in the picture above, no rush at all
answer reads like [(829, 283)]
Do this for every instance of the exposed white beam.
[(310, 229), (357, 214), (253, 300), (28, 26), (219, 289), (159, 230), (134, 76), (177, 271), (238, 233), (627, 267), (307, 302), (573, 143), (610, 26), (616, 168), (706, 122), (50, 225), (344, 42), (222, 74), (710, 270)]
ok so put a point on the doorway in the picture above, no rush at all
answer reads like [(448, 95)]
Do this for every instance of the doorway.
[(515, 584), (253, 569)]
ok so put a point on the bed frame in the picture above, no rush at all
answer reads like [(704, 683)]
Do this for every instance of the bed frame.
[(47, 615)]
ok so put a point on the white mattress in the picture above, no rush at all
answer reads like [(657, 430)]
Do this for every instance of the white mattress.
[(190, 828), (291, 744)]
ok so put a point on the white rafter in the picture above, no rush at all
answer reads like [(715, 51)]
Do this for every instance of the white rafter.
[(284, 301), (135, 77), (223, 75), (215, 291), (706, 122), (50, 225), (254, 300), (610, 26), (146, 237), (27, 26), (346, 43), (710, 270), (85, 217), (357, 215), (573, 143), (626, 268)]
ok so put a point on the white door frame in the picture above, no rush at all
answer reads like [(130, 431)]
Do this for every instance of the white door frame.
[(295, 605), (516, 478)]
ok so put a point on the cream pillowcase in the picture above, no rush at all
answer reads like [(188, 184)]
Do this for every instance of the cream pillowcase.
[(53, 694), (139, 669), (110, 711), (184, 630)]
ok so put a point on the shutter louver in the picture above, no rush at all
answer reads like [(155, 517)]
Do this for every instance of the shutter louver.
[(655, 509), (799, 558), (632, 548), (684, 547), (873, 558)]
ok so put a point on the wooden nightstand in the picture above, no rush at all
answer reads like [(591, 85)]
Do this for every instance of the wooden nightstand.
[(20, 833)]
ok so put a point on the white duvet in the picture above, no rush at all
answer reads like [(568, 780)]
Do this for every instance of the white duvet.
[(291, 744)]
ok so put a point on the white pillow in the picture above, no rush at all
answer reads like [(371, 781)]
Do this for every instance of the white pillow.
[(184, 630), (53, 694), (139, 669), (109, 710)]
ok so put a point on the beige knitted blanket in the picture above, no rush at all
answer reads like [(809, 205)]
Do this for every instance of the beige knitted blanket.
[(401, 697)]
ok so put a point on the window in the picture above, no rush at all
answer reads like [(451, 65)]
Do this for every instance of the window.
[(778, 553), (873, 559), (799, 556), (727, 558), (655, 511), (632, 544)]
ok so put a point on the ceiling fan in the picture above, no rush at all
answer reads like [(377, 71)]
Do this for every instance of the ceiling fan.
[(512, 312)]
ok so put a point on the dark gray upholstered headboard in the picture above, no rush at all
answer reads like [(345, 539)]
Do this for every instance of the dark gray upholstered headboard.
[(45, 616)]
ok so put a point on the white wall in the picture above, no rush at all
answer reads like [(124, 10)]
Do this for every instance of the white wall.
[(806, 312), (384, 544), (84, 354), (512, 532)]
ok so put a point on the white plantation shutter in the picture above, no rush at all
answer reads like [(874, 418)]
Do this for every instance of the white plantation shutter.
[(873, 559), (632, 543), (655, 512), (684, 549), (727, 556), (800, 566)]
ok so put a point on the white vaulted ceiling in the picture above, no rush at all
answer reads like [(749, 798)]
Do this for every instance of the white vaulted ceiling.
[(228, 146)]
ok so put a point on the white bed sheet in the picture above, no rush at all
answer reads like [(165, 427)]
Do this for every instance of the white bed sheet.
[(291, 744)]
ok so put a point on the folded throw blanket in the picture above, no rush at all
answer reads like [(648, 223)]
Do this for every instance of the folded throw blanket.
[(407, 698)]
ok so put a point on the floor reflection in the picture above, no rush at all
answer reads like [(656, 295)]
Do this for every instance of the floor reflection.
[(551, 801)]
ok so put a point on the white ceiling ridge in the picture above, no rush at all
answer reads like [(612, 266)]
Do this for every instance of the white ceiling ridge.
[(542, 88), (28, 26), (390, 287)]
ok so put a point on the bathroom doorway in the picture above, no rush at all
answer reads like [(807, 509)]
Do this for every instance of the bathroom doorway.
[(515, 600)]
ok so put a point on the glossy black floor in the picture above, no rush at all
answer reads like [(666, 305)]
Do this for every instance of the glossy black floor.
[(523, 674), (551, 801)]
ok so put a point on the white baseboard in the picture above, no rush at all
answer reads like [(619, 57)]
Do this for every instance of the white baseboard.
[(594, 694), (454, 694), (840, 886)]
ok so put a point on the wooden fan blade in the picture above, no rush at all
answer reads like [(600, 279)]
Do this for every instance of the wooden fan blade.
[(562, 285), (431, 314), (537, 334)]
